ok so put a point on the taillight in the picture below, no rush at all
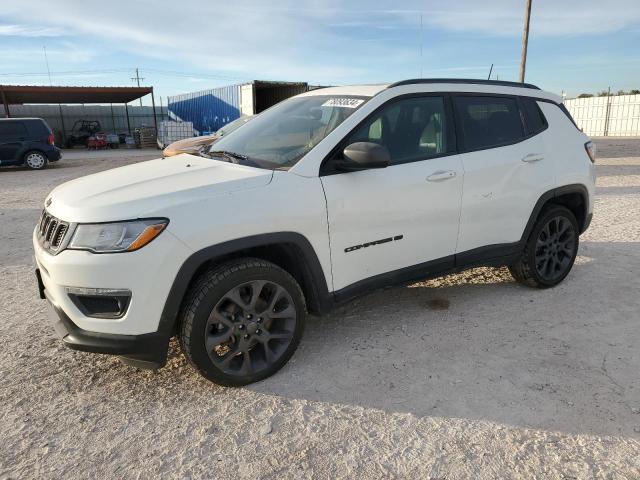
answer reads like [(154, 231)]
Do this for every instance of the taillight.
[(590, 147), (51, 139)]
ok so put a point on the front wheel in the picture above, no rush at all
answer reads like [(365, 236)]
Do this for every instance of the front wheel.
[(242, 321), (550, 250)]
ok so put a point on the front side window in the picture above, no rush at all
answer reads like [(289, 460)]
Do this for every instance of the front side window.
[(283, 134), (488, 121), (411, 129)]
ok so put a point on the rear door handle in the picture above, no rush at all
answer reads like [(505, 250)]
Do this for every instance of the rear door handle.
[(441, 175), (533, 157)]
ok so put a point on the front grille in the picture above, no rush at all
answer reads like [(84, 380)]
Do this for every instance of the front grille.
[(51, 232)]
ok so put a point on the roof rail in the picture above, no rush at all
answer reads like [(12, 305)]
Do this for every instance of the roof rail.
[(502, 83)]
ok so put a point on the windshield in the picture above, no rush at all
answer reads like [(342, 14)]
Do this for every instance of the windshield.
[(231, 126), (283, 134)]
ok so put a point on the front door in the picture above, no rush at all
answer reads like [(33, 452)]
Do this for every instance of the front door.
[(391, 219)]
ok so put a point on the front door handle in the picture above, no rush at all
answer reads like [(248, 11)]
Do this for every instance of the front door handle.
[(441, 175), (533, 157)]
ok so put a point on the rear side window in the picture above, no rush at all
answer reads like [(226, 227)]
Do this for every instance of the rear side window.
[(533, 116), (12, 129), (488, 121)]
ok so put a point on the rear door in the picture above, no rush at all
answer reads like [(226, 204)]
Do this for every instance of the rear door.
[(403, 216), (506, 167), (13, 134)]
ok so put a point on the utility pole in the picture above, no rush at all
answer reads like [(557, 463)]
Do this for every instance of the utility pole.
[(137, 78), (421, 62), (46, 61), (607, 113), (525, 39)]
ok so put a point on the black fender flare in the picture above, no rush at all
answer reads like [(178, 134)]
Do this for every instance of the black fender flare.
[(193, 263), (550, 195)]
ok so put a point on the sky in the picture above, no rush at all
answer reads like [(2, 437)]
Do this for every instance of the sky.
[(183, 46)]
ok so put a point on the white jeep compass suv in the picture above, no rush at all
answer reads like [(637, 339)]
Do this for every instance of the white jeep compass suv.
[(323, 197)]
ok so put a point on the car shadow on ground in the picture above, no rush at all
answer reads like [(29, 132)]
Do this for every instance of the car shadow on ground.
[(479, 346)]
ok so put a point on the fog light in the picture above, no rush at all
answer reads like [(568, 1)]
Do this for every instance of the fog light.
[(100, 302)]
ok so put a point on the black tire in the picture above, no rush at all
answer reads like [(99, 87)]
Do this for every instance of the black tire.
[(550, 250), (219, 329), (35, 160)]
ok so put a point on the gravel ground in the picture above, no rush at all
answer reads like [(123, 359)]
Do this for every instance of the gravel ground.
[(468, 376)]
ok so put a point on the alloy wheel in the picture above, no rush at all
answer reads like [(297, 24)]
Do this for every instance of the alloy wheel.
[(35, 160), (250, 327), (555, 248)]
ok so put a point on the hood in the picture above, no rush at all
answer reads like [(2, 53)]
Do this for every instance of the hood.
[(148, 188)]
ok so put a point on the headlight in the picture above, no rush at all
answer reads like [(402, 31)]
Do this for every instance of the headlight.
[(116, 237)]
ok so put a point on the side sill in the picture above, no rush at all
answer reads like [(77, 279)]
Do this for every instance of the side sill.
[(431, 269), (490, 256)]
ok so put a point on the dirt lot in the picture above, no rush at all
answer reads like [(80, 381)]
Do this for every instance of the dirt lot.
[(469, 376)]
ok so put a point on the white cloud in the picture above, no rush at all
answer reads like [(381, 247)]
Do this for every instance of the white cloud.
[(29, 31)]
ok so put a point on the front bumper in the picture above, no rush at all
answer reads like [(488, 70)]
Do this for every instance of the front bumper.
[(137, 336), (143, 351), (147, 273)]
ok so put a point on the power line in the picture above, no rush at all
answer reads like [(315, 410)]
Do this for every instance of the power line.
[(173, 73), (67, 72)]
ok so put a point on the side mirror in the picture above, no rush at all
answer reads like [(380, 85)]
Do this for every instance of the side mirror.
[(363, 156)]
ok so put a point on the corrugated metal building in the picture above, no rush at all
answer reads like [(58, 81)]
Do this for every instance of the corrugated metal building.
[(616, 116), (111, 118), (210, 110)]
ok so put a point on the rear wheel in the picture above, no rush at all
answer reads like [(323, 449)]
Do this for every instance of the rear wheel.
[(242, 321), (550, 250), (35, 160)]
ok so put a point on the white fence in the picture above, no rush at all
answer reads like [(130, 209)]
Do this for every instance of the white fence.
[(615, 116)]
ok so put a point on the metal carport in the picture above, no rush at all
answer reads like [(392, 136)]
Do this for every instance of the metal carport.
[(21, 94)]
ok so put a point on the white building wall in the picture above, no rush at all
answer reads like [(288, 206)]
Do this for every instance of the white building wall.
[(622, 119)]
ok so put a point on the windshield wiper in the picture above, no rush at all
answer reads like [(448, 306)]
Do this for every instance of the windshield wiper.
[(225, 153)]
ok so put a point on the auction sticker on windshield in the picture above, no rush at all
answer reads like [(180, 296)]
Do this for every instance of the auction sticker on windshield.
[(343, 102)]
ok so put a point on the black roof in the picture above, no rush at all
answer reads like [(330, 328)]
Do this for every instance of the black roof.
[(19, 94), (473, 81)]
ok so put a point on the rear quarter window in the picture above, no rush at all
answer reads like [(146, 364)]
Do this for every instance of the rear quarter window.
[(533, 117), (39, 128)]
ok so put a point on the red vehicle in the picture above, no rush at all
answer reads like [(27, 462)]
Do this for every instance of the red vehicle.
[(97, 141)]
